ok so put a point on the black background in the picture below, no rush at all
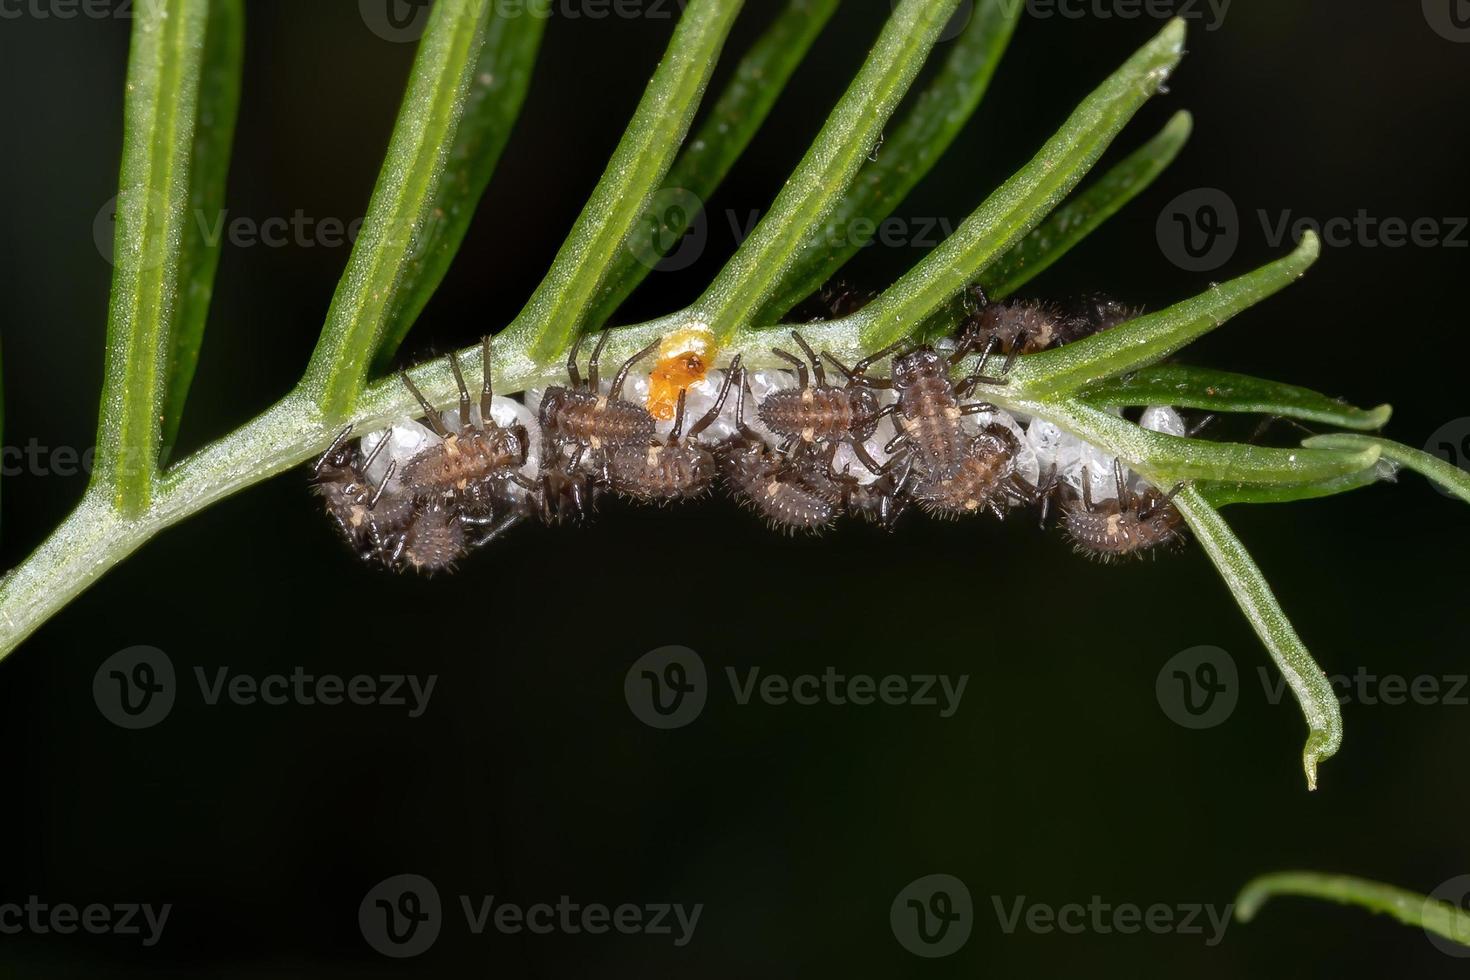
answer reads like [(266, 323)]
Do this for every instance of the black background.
[(1059, 778)]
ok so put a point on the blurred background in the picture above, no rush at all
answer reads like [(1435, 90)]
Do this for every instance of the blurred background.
[(1060, 775)]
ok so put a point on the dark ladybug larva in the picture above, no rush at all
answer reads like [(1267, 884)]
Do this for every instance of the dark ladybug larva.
[(1129, 526)]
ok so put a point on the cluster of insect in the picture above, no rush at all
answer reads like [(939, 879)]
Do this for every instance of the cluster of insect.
[(800, 447)]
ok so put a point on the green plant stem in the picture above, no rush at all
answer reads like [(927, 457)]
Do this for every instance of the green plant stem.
[(165, 68), (1450, 478), (1410, 908), (1022, 202), (1187, 386), (815, 187), (1087, 211), (501, 78), (218, 105), (1308, 683), (733, 121), (909, 152), (557, 311), (402, 204)]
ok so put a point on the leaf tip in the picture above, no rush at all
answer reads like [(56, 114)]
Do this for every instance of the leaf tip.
[(1309, 249), (1377, 418)]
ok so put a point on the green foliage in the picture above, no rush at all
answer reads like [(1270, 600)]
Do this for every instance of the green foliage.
[(1431, 915), (464, 92)]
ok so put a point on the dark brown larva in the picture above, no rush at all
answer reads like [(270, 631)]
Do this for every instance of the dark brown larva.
[(582, 419), (366, 515), (673, 469), (819, 413), (984, 479), (1128, 527), (929, 406), (433, 541), (1025, 326), (766, 481), (474, 465)]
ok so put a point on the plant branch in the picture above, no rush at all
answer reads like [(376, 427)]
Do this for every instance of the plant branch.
[(402, 205), (165, 70), (1023, 201), (926, 131), (814, 188), (1410, 908), (557, 311)]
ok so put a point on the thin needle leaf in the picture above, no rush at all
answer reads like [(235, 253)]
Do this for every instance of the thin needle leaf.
[(1167, 459), (219, 101), (1151, 338), (908, 153), (558, 310), (1085, 213), (1183, 386), (733, 121), (402, 205), (1313, 691), (165, 74), (1451, 478), (492, 105), (1410, 908), (1224, 494), (813, 190), (1023, 201)]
